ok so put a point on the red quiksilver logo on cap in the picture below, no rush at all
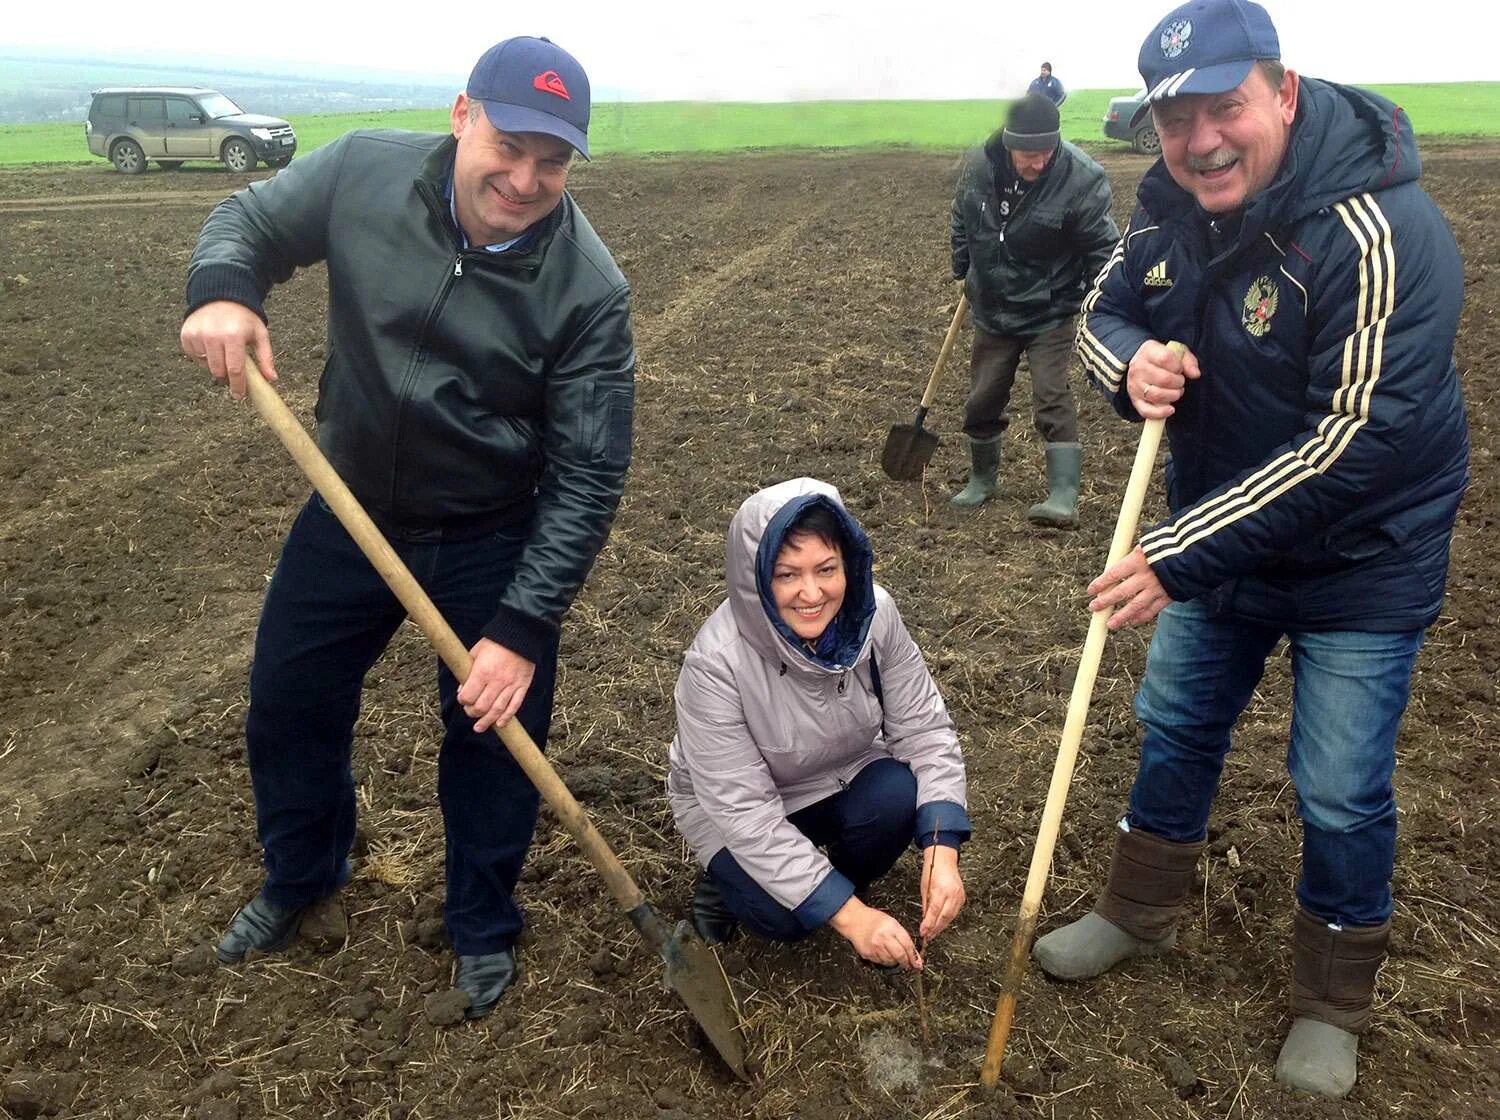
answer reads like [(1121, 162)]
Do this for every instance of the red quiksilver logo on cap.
[(549, 81)]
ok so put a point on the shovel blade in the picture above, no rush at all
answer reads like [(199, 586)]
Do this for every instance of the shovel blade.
[(908, 450), (694, 973)]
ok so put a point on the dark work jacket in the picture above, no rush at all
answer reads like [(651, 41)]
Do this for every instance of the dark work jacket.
[(461, 387), (1033, 278), (1318, 462)]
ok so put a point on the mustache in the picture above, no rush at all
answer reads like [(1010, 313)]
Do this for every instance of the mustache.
[(1219, 157)]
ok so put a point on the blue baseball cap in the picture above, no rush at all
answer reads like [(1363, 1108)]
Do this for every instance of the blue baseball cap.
[(1206, 46), (533, 85)]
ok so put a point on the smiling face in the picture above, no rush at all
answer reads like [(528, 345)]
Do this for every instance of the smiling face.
[(503, 182), (808, 583), (1225, 148)]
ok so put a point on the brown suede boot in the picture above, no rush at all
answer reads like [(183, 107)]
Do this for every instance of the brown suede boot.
[(1333, 988), (1136, 916)]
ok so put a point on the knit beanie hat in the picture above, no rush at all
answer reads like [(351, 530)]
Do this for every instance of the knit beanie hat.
[(1031, 125)]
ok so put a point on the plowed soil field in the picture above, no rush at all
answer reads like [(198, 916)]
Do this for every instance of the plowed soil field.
[(788, 309)]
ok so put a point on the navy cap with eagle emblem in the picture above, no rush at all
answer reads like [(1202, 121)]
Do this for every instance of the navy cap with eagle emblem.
[(1206, 46)]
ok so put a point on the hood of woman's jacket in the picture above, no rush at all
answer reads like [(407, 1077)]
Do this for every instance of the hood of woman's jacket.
[(756, 535)]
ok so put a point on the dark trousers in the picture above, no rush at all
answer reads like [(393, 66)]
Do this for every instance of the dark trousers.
[(992, 375), (327, 618), (865, 828)]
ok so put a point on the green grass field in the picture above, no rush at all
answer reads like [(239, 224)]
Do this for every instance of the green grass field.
[(1470, 109)]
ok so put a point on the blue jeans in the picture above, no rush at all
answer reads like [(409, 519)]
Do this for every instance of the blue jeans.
[(1349, 690), (327, 618), (865, 829)]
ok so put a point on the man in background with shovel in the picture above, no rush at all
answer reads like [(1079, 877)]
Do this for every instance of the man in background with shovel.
[(1031, 227), (1319, 452), (477, 399)]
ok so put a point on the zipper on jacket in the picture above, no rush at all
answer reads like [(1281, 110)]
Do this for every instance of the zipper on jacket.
[(415, 360), (843, 679)]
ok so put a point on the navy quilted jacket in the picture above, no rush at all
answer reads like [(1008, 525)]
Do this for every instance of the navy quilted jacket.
[(1317, 465)]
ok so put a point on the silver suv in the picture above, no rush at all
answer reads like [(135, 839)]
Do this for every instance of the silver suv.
[(129, 125)]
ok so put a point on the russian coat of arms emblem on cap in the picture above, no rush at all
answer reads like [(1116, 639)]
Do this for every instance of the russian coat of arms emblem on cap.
[(1260, 305), (1175, 36)]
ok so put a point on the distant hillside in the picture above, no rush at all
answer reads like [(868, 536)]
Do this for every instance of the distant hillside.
[(38, 90)]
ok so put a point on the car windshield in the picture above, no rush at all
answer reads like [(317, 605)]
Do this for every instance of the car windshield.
[(217, 105)]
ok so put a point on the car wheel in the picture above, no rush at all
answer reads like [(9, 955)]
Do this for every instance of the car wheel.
[(237, 155), (169, 164), (1147, 142), (279, 163), (128, 157)]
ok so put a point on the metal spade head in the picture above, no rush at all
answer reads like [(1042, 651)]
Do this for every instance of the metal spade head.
[(908, 450), (694, 973)]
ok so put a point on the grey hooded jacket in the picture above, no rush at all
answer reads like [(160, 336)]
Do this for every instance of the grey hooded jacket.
[(765, 728)]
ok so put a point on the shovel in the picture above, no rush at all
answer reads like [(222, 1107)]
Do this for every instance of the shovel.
[(909, 448), (1067, 757), (693, 969)]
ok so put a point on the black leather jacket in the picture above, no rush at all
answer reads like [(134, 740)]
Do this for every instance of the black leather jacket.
[(1034, 277), (462, 388)]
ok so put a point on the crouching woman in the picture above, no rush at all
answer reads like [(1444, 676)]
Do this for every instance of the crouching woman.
[(812, 746)]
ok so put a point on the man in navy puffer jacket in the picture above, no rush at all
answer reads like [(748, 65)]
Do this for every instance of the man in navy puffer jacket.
[(1318, 454)]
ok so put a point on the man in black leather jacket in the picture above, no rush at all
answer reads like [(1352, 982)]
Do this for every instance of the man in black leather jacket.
[(477, 398), (1031, 228)]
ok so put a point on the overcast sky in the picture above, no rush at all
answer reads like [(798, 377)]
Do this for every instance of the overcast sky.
[(769, 50)]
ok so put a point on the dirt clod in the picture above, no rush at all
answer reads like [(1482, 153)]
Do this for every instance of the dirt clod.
[(1022, 1075), (28, 1094), (325, 926), (446, 1008), (1181, 1076)]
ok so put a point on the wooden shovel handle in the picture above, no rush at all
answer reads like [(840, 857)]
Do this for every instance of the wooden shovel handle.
[(1067, 757), (942, 358), (425, 614)]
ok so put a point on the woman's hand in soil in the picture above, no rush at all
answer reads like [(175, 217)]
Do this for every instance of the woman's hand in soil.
[(217, 337), (496, 685), (942, 889), (875, 935)]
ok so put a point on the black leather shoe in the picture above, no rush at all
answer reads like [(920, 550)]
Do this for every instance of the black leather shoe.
[(485, 977), (715, 922), (259, 925)]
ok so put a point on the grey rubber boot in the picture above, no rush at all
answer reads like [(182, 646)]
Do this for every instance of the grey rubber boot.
[(1064, 468), (984, 468), (1136, 916), (1333, 988), (1318, 1057)]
